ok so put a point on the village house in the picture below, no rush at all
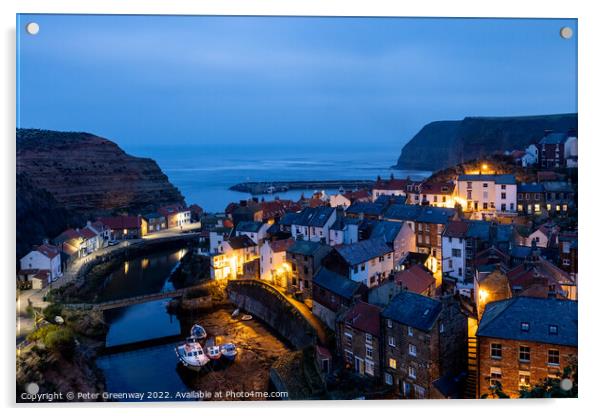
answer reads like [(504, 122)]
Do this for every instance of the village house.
[(44, 258), (482, 235), (345, 199), (272, 211), (406, 213), (305, 258), (392, 186), (156, 221), (568, 252), (272, 261), (530, 199), (560, 198), (365, 210), (429, 229), (358, 336), (531, 156), (487, 195), (333, 293), (125, 227), (524, 340), (236, 257), (398, 235), (423, 340), (176, 215), (344, 231), (544, 236), (417, 279), (556, 148), (255, 230), (453, 250), (312, 224), (436, 194), (368, 261), (245, 211)]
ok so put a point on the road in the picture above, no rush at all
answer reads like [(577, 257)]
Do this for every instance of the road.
[(25, 324)]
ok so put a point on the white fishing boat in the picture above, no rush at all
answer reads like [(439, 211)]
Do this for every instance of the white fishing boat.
[(191, 354), (214, 352), (197, 332), (246, 318), (229, 351)]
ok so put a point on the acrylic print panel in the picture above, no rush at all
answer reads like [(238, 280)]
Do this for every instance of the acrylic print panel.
[(268, 208)]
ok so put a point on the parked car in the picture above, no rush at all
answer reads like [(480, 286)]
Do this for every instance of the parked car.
[(113, 242)]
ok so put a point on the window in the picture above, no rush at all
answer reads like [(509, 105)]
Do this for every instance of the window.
[(485, 185), (392, 363), (410, 331), (496, 350), (389, 323), (524, 353), (348, 356), (524, 379), (388, 379), (565, 207), (348, 338), (566, 262), (495, 376), (553, 329), (420, 392), (553, 357), (503, 207), (391, 341), (469, 185), (368, 338), (369, 352), (411, 372), (412, 350), (524, 326), (469, 194), (537, 208), (369, 367), (441, 328), (503, 186), (456, 252), (503, 195)]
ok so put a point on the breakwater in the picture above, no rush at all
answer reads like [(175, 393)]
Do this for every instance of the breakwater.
[(259, 188)]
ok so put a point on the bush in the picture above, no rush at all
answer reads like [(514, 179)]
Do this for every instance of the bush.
[(56, 338), (51, 311)]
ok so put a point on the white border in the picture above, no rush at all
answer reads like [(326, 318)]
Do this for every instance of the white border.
[(590, 70)]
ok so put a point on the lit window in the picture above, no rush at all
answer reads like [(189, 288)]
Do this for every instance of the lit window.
[(392, 363), (495, 376), (524, 326), (524, 379)]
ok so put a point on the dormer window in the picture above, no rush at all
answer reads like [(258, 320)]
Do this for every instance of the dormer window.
[(524, 326), (553, 329)]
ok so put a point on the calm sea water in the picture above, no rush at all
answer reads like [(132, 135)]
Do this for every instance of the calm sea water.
[(204, 173)]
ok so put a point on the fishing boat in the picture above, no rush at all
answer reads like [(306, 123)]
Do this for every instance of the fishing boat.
[(228, 351), (246, 318), (197, 332), (214, 352), (191, 354)]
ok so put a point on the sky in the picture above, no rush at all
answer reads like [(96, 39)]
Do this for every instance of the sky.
[(186, 80)]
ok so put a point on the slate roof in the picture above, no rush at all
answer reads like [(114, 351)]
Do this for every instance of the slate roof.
[(558, 187), (504, 179), (482, 230), (369, 208), (152, 215), (289, 218), (364, 317), (249, 226), (242, 241), (456, 229), (403, 212), (313, 217), (279, 246), (435, 215), (341, 222), (415, 310), (554, 138), (364, 250), (503, 319), (390, 199), (387, 230), (306, 248), (530, 188), (437, 188), (335, 283)]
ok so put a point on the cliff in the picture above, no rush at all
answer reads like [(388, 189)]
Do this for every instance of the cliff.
[(63, 177), (445, 143)]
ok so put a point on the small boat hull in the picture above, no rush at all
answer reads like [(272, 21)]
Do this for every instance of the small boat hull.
[(214, 352), (229, 351), (192, 356), (246, 318)]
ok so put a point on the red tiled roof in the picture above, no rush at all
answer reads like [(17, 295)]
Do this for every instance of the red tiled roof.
[(87, 233), (358, 195), (121, 222), (279, 246), (416, 279), (365, 317), (457, 229), (48, 250)]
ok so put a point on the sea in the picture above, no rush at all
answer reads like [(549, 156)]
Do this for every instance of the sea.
[(203, 173)]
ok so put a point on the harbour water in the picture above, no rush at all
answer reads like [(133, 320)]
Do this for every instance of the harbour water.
[(152, 369), (204, 173)]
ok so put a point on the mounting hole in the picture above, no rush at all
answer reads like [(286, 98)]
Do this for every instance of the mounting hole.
[(566, 32), (32, 28)]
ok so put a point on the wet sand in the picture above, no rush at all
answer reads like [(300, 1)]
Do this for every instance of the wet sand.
[(258, 349)]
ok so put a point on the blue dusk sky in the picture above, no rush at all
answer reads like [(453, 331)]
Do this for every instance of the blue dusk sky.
[(171, 80)]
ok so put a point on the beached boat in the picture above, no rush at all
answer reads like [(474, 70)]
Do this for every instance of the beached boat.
[(246, 318), (191, 354), (214, 352), (235, 313), (197, 332), (228, 351)]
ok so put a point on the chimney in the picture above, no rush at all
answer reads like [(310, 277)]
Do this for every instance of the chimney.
[(547, 132)]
